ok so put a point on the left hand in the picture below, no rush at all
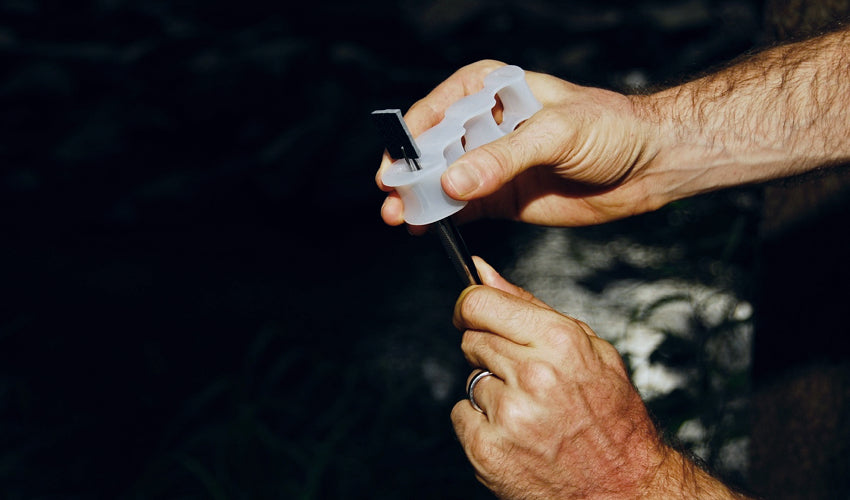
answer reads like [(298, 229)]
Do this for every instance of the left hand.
[(562, 419)]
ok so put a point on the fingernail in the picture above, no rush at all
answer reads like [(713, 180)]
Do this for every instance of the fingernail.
[(457, 319), (484, 268), (462, 178)]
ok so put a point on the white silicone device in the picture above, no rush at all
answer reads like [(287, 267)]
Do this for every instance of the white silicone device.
[(468, 123)]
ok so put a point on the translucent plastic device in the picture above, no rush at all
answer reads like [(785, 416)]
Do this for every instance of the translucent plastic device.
[(468, 123)]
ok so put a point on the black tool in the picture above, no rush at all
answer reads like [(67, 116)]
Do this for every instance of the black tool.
[(400, 145)]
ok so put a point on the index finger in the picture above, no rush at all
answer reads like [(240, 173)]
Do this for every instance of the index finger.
[(430, 110), (501, 313)]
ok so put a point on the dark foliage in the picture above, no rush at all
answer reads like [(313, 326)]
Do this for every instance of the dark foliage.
[(198, 297)]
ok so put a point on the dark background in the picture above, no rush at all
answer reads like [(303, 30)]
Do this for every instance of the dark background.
[(199, 299)]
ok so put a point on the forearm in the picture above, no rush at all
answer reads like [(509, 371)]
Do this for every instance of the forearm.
[(779, 113)]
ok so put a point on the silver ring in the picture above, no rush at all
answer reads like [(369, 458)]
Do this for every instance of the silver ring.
[(470, 390)]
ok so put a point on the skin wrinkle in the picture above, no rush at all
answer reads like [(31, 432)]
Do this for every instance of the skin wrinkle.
[(590, 148), (519, 142)]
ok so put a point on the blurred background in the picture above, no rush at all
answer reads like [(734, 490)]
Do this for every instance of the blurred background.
[(199, 299)]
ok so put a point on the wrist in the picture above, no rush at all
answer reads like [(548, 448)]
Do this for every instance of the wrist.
[(662, 176), (697, 148), (678, 477)]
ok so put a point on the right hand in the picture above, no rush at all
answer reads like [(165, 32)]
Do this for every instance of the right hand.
[(560, 418), (582, 159)]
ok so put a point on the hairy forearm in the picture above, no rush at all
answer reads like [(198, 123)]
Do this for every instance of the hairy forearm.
[(779, 113)]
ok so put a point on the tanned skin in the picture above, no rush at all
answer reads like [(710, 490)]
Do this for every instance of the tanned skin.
[(562, 418)]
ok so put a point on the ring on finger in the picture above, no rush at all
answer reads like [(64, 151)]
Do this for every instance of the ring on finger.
[(470, 389)]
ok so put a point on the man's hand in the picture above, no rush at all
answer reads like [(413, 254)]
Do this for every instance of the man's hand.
[(557, 168), (591, 155), (562, 419)]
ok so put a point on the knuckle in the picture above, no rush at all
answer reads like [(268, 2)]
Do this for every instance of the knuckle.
[(472, 342), (538, 377), (610, 355), (483, 450), (534, 140), (549, 119), (517, 418), (457, 415), (566, 336), (484, 64), (468, 341), (548, 127), (512, 411)]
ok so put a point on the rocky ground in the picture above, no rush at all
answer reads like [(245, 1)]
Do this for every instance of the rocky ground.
[(199, 299)]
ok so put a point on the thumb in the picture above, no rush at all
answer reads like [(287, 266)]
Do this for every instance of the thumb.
[(491, 277), (485, 169)]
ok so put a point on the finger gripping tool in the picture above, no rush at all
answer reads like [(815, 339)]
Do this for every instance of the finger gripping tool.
[(468, 123)]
